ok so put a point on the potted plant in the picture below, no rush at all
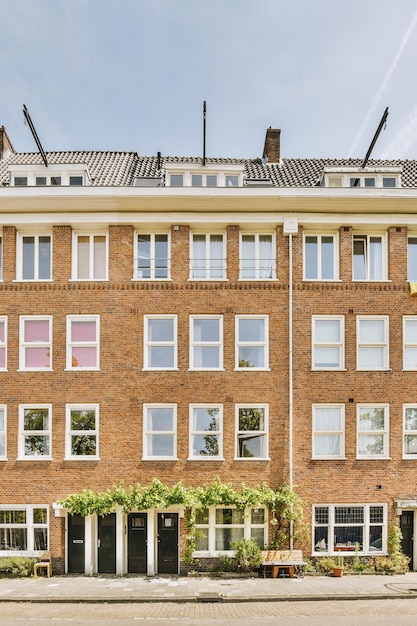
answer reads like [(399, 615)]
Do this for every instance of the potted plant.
[(338, 569)]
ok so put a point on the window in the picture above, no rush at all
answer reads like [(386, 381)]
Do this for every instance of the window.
[(1, 258), (328, 342), (35, 432), (410, 431), (320, 257), (412, 258), (160, 345), (40, 181), (389, 181), (152, 257), (23, 529), (345, 529), (82, 431), (328, 431), (20, 181), (3, 432), (372, 431), (83, 342), (372, 343), (90, 258), (3, 343), (36, 343), (208, 260), (159, 432), (75, 181), (369, 257), (252, 343), (219, 528), (251, 432), (177, 180), (34, 257), (410, 342), (206, 342), (231, 180), (257, 257), (206, 432), (203, 180)]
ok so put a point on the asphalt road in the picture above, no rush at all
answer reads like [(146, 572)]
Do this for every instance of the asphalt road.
[(401, 611)]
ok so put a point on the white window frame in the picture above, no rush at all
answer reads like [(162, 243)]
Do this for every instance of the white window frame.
[(148, 344), (194, 343), (339, 345), (3, 344), (256, 271), (384, 432), (264, 433), (361, 346), (3, 432), (411, 241), (19, 256), (332, 526), (208, 270), (368, 257), (153, 269), (340, 432), (82, 344), (409, 432), (409, 346), (169, 433), (32, 344), (247, 344), (91, 237), (70, 433), (44, 433), (319, 245), (209, 529), (218, 433), (30, 527)]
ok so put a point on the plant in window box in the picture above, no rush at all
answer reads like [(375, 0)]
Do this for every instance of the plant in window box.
[(340, 566)]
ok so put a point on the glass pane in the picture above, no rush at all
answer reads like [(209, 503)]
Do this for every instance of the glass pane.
[(2, 420), (328, 418), (202, 516), (321, 515), (161, 330), (196, 180), (411, 418), (162, 357), (144, 256), (2, 333), (99, 257), (348, 537), (369, 182), (83, 330), (311, 260), (12, 517), (321, 541), (36, 330), (327, 331), (40, 537), (37, 357), (375, 538), (349, 515), (28, 272), (257, 516), (412, 258), (327, 258), (388, 181), (371, 419), (83, 445), (265, 256), (205, 418), (326, 357), (251, 330), (371, 445), (45, 258), (258, 535), (35, 419), (410, 330), (327, 445), (13, 539), (36, 445), (371, 358), (176, 180), (161, 256), (211, 180), (201, 538), (216, 256), (359, 264), (2, 444), (229, 516), (40, 516), (205, 445), (375, 257), (199, 256), (227, 537), (410, 358), (160, 418), (160, 445), (251, 356), (2, 358), (83, 419), (232, 181), (83, 257), (248, 256), (206, 357), (206, 330), (84, 357), (376, 514), (251, 419), (251, 446), (410, 444)]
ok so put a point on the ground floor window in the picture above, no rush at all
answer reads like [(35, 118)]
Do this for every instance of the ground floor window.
[(349, 528), (23, 529), (219, 528)]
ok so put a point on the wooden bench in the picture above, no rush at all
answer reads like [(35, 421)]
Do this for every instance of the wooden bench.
[(286, 560)]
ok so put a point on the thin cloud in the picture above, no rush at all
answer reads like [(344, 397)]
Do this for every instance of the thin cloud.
[(384, 84)]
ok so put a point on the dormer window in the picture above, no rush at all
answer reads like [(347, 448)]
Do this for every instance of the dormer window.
[(370, 177), (210, 175), (55, 175)]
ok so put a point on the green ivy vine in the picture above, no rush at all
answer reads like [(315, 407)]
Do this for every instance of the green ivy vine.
[(284, 505)]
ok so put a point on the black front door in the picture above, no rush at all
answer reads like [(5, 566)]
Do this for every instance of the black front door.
[(76, 544), (137, 535), (107, 544), (167, 543), (407, 529)]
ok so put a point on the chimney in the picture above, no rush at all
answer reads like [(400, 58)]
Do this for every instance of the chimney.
[(272, 145), (6, 148)]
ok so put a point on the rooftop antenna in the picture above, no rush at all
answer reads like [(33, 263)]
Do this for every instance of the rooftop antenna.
[(382, 123), (35, 134), (204, 132)]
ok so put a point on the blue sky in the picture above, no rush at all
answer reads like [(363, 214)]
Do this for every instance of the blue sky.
[(133, 75)]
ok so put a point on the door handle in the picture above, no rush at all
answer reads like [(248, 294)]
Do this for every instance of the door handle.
[(98, 543)]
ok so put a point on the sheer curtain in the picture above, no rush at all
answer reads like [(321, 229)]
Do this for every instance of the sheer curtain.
[(327, 426)]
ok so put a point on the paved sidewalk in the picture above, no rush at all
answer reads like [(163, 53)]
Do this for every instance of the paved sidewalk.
[(181, 589)]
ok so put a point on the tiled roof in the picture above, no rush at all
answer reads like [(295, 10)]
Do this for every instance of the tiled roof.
[(122, 168)]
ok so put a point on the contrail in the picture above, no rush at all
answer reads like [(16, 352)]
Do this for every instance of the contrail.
[(403, 139), (384, 84)]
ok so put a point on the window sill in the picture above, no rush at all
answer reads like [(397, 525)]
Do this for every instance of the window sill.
[(33, 280), (373, 458), (252, 369), (159, 458), (208, 280), (82, 369), (149, 280), (328, 369), (328, 458), (205, 458), (82, 458), (251, 458), (160, 369), (35, 369), (257, 280), (88, 280), (368, 280), (206, 369), (35, 458), (376, 369), (322, 280)]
